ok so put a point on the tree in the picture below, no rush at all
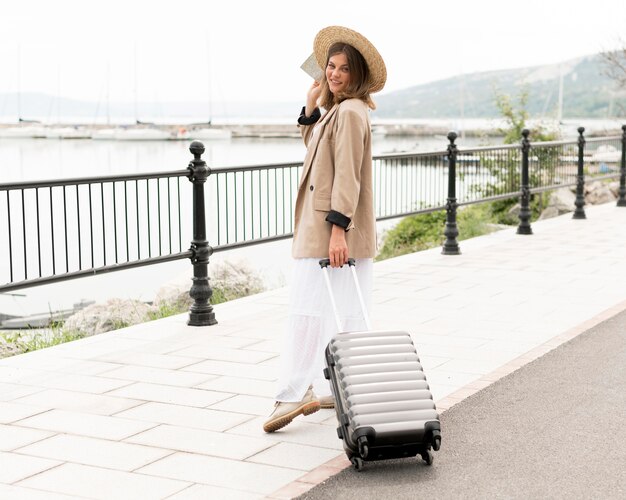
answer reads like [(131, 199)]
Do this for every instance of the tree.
[(615, 68), (516, 117)]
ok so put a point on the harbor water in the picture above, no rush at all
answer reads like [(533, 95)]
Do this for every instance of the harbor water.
[(50, 159)]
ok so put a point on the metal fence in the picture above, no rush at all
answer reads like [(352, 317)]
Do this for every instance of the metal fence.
[(64, 229)]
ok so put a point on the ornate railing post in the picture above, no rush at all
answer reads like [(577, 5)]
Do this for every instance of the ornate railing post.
[(451, 245), (621, 201), (579, 213), (524, 213), (201, 312)]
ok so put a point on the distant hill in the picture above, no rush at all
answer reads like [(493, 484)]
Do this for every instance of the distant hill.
[(586, 93)]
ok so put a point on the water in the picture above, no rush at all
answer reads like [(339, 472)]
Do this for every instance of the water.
[(47, 159), (44, 159)]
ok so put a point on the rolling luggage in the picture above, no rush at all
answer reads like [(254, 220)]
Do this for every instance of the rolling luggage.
[(383, 402)]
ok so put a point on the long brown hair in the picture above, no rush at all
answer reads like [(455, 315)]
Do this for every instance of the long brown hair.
[(359, 86)]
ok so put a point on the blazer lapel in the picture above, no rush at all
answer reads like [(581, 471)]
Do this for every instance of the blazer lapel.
[(312, 149)]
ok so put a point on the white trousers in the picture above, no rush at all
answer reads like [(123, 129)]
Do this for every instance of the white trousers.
[(311, 323)]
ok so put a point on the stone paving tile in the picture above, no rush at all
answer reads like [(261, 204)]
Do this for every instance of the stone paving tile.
[(294, 456), (169, 394), (189, 343), (430, 362), (96, 452), (255, 478), (22, 375), (300, 431), (12, 437), (261, 371), (274, 346), (85, 424), (217, 444), (81, 383), (11, 412), (236, 385), (9, 392), (248, 405), (78, 401), (225, 354), (137, 358), (62, 365), (474, 367), (93, 482), (451, 378), (15, 467), (203, 492), (19, 493), (158, 376), (99, 348), (185, 416)]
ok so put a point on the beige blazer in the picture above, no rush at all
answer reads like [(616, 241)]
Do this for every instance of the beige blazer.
[(337, 176)]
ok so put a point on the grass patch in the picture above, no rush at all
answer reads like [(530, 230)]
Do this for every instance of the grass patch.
[(18, 342), (424, 231)]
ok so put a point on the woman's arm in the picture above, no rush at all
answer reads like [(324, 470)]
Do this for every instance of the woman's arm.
[(349, 153), (310, 113)]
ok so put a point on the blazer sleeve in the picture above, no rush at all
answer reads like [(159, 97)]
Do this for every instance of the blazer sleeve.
[(349, 150), (305, 124)]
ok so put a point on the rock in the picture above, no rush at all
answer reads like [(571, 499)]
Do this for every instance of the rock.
[(601, 194), (235, 279), (563, 200), (114, 314), (592, 186), (614, 187), (229, 280), (175, 296), (514, 210), (549, 212)]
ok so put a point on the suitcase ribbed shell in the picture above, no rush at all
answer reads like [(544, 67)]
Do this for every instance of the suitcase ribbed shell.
[(382, 386)]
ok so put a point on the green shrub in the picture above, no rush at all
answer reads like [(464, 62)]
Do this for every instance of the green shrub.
[(423, 231)]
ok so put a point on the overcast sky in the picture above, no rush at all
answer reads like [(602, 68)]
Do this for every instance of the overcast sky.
[(164, 50)]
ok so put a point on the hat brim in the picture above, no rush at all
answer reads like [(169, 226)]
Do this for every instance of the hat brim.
[(338, 34)]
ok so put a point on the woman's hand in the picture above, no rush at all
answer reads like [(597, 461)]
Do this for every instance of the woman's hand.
[(311, 98), (338, 248)]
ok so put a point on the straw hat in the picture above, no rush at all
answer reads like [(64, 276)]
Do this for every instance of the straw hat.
[(334, 34)]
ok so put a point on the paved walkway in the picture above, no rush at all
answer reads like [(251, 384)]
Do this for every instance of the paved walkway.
[(163, 410)]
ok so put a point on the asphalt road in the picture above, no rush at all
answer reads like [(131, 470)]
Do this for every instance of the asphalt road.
[(555, 428)]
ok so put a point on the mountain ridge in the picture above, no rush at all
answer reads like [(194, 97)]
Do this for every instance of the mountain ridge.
[(587, 92)]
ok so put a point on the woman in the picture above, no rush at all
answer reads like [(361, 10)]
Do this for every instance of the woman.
[(334, 216)]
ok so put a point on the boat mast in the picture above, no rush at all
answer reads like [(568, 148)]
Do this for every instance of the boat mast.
[(208, 68), (19, 82), (135, 90)]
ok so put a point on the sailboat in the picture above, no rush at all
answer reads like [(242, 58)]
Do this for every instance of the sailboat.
[(27, 129), (209, 133)]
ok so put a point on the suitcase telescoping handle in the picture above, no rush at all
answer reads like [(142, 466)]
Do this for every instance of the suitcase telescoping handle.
[(324, 263)]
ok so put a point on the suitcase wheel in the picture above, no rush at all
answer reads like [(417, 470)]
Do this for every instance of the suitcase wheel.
[(357, 463), (436, 441), (326, 374), (428, 457)]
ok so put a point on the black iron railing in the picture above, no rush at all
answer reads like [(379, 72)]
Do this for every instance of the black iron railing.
[(64, 229)]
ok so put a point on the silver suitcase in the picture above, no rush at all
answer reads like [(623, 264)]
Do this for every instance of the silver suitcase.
[(382, 399)]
